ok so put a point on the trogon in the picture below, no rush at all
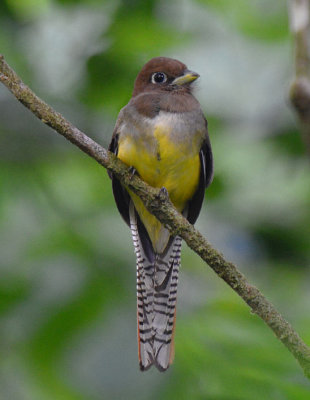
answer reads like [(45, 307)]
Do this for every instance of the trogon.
[(162, 134)]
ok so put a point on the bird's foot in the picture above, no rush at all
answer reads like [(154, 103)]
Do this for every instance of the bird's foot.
[(132, 172), (163, 192)]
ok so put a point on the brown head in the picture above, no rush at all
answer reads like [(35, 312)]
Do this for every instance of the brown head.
[(164, 74)]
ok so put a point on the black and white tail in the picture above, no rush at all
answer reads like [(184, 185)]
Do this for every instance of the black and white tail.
[(157, 280)]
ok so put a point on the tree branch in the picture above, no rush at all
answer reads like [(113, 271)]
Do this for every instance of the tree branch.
[(158, 203), (299, 13)]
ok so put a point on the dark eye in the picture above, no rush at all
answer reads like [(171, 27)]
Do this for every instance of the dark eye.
[(159, 77)]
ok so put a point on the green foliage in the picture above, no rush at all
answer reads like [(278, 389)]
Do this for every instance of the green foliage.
[(259, 19), (67, 287), (135, 36)]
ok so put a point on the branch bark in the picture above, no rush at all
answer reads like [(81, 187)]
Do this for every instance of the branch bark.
[(159, 204), (299, 13)]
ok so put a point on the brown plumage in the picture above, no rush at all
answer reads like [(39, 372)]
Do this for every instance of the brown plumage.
[(163, 135), (173, 99)]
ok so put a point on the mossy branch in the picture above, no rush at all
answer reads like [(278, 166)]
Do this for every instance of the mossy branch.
[(158, 203)]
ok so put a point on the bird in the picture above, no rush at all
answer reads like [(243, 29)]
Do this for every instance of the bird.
[(162, 135)]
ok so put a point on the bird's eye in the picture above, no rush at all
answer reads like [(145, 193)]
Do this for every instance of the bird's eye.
[(159, 77)]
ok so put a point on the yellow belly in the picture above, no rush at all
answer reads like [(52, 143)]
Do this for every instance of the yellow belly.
[(161, 163)]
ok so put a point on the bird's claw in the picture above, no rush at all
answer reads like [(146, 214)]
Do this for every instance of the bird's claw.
[(163, 192), (132, 172)]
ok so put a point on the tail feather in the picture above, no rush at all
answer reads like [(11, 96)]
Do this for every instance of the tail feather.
[(156, 300)]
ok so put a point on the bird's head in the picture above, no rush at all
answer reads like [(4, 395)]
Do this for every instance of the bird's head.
[(164, 74)]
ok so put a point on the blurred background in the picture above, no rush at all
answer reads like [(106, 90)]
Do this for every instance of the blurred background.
[(67, 266)]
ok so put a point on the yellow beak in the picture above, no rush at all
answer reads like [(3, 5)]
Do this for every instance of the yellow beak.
[(188, 77)]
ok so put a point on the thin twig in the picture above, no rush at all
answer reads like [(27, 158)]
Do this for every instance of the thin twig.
[(299, 13), (159, 204)]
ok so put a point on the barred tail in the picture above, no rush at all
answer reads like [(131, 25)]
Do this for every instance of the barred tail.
[(157, 279)]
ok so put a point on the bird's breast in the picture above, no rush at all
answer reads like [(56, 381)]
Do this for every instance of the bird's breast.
[(165, 152)]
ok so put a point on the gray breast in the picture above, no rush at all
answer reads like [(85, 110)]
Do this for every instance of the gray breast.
[(182, 126)]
